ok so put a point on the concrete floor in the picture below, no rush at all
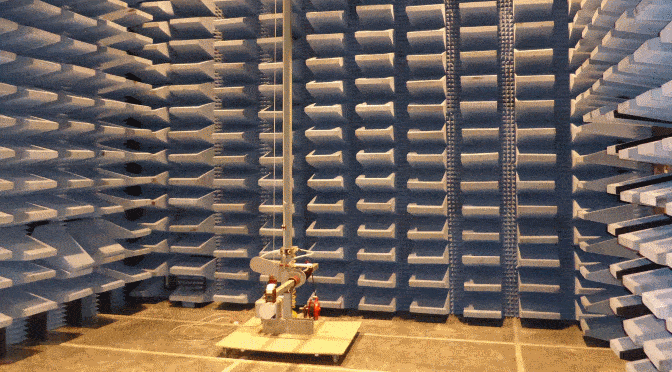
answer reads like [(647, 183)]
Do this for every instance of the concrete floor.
[(165, 337)]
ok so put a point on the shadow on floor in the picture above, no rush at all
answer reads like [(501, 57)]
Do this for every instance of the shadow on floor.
[(547, 324), (131, 305), (340, 312), (280, 358), (54, 337), (148, 300), (481, 322), (195, 305), (33, 345), (423, 318), (97, 322), (235, 307), (594, 342), (17, 353)]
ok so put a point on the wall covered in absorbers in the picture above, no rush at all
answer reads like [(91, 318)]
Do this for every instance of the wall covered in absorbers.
[(141, 156), (427, 174), (620, 124), (89, 92)]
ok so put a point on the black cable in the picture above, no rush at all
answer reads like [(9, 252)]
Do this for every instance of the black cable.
[(312, 277)]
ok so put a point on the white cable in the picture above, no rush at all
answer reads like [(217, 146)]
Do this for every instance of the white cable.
[(275, 251), (305, 255), (174, 334), (275, 133)]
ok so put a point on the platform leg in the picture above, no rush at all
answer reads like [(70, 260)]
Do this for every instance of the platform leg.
[(3, 342), (37, 326), (104, 303), (117, 300), (335, 358), (73, 312), (89, 308)]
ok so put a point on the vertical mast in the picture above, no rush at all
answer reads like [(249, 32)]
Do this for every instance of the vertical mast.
[(287, 180)]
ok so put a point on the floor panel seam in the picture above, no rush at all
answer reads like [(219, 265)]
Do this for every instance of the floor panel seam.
[(485, 341), (567, 347), (519, 352), (437, 339), (122, 316), (218, 359), (232, 366)]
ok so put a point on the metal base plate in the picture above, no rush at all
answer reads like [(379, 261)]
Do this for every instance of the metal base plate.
[(329, 338)]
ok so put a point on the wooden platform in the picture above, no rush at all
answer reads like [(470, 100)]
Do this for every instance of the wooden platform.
[(330, 338)]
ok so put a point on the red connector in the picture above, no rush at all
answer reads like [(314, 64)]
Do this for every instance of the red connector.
[(316, 310)]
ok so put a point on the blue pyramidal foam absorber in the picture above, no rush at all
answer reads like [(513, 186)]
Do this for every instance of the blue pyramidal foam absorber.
[(619, 85), (449, 157)]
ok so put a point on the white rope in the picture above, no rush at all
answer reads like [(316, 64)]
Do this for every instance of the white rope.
[(275, 133), (182, 332)]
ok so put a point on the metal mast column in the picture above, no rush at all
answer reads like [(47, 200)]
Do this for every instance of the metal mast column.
[(287, 179)]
